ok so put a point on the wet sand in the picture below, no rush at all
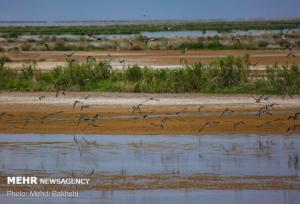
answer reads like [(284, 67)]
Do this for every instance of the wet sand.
[(179, 113)]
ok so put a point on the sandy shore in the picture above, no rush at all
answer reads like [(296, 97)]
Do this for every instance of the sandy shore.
[(112, 113)]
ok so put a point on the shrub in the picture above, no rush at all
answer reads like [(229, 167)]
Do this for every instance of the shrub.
[(227, 75), (263, 43), (133, 73)]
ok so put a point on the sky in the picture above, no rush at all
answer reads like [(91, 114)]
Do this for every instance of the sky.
[(53, 10)]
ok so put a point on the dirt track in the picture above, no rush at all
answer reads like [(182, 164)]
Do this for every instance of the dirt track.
[(156, 59)]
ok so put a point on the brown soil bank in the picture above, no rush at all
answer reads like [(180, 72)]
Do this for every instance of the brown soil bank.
[(172, 114), (160, 58)]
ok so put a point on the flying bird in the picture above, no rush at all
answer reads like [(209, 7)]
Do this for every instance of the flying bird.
[(95, 37), (253, 64), (84, 107), (268, 123), (147, 115), (290, 55), (89, 125), (165, 119), (294, 117), (83, 117), (75, 103), (227, 110), (271, 105), (184, 50), (137, 108), (88, 142), (183, 61), (147, 40), (292, 128), (86, 97), (75, 140), (71, 54), (92, 172), (109, 56), (285, 95), (55, 113), (166, 28), (83, 82), (49, 115), (90, 59), (46, 46), (259, 99), (267, 98), (284, 36), (236, 39), (72, 62), (158, 125), (151, 99), (130, 42), (200, 107), (180, 112), (6, 114), (263, 111), (42, 97), (60, 92), (289, 46), (27, 120), (207, 124), (95, 117), (236, 124)]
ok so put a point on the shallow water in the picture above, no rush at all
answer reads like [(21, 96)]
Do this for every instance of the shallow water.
[(168, 197), (164, 34), (220, 154), (171, 34)]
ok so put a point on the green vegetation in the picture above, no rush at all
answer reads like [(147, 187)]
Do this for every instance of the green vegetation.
[(159, 44), (228, 75), (14, 31)]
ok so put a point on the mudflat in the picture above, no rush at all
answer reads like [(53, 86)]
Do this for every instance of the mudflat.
[(129, 113)]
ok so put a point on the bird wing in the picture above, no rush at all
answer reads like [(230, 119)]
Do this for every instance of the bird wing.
[(74, 104), (223, 112), (261, 97), (201, 129)]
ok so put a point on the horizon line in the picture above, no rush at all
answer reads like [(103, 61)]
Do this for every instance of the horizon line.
[(155, 20)]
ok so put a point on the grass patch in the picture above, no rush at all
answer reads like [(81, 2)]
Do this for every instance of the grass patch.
[(103, 85), (227, 75)]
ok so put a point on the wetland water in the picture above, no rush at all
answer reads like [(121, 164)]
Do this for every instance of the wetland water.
[(169, 197), (166, 34), (214, 154), (218, 154)]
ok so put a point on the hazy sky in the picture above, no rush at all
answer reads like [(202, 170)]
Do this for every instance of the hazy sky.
[(153, 9)]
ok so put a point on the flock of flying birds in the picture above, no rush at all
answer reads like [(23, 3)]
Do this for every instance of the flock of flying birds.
[(91, 121), (265, 110), (285, 43), (284, 37)]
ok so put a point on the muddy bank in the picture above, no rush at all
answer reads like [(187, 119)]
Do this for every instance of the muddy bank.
[(170, 114)]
